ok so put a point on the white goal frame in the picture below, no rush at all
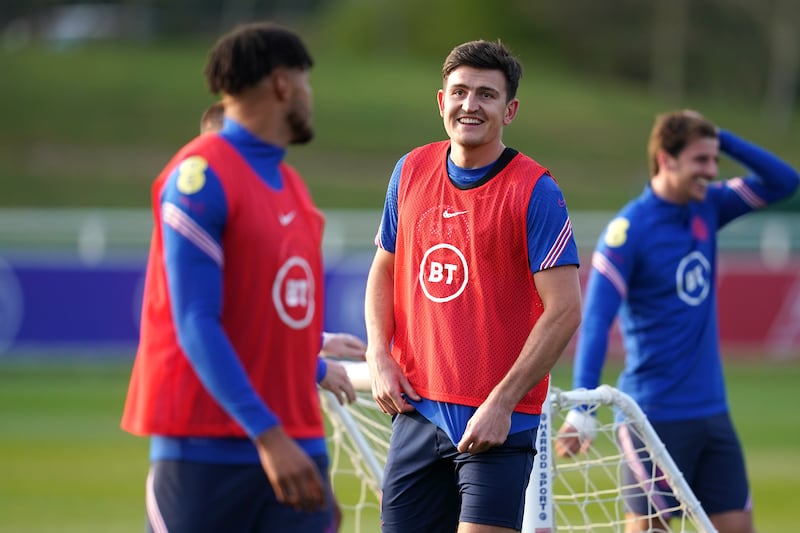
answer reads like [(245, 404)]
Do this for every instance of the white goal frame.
[(580, 493)]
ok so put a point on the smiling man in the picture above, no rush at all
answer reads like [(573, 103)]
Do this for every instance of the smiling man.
[(655, 264), (471, 298)]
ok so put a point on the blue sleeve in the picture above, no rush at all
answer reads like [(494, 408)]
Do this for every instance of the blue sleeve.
[(600, 308), (322, 369), (386, 238), (771, 180), (193, 224), (550, 239), (612, 265)]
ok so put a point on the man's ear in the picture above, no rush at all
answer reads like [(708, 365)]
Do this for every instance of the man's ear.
[(511, 111), (665, 160), (281, 84)]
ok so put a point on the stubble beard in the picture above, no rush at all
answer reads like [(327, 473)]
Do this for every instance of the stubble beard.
[(302, 131)]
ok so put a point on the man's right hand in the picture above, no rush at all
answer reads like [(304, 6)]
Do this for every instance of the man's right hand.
[(390, 386), (291, 472)]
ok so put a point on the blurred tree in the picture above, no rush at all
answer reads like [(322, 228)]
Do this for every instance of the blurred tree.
[(737, 49), (732, 49), (420, 28), (234, 11), (779, 21), (782, 77), (668, 48)]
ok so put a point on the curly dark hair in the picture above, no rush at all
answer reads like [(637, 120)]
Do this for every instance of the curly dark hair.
[(244, 56)]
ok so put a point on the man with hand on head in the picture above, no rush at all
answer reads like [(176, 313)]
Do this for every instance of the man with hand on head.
[(655, 267)]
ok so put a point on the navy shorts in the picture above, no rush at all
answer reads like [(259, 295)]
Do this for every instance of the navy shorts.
[(198, 497), (428, 486), (707, 452)]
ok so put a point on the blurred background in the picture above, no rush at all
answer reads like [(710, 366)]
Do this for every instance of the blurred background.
[(95, 97)]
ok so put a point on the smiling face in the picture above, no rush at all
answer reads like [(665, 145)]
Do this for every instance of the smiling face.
[(474, 107), (685, 177)]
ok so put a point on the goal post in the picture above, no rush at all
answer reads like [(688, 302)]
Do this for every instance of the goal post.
[(358, 441), (581, 493), (586, 489)]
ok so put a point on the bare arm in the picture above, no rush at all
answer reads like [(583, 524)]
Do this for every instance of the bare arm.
[(342, 345), (291, 472), (388, 381), (559, 289)]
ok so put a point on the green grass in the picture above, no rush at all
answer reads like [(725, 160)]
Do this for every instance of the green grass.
[(761, 395), (67, 467), (91, 126)]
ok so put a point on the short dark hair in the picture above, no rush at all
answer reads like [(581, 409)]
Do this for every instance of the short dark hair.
[(673, 131), (488, 55), (244, 56)]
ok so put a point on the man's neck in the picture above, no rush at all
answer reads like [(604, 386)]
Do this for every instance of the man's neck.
[(475, 156), (660, 184), (258, 116)]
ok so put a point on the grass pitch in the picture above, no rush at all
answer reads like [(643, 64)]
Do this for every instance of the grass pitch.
[(67, 467)]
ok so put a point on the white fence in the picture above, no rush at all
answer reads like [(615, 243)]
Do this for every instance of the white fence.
[(92, 231)]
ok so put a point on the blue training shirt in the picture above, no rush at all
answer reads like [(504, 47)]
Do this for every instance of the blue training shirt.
[(196, 297), (547, 217), (655, 265)]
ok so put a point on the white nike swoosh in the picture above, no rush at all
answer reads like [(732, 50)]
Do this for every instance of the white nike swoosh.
[(448, 214), (286, 218)]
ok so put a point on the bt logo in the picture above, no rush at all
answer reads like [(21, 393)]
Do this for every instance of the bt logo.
[(293, 293), (443, 273), (693, 278)]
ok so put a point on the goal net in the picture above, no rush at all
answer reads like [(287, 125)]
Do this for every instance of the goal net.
[(581, 493)]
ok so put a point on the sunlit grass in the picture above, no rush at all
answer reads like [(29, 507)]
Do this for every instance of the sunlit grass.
[(68, 467)]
